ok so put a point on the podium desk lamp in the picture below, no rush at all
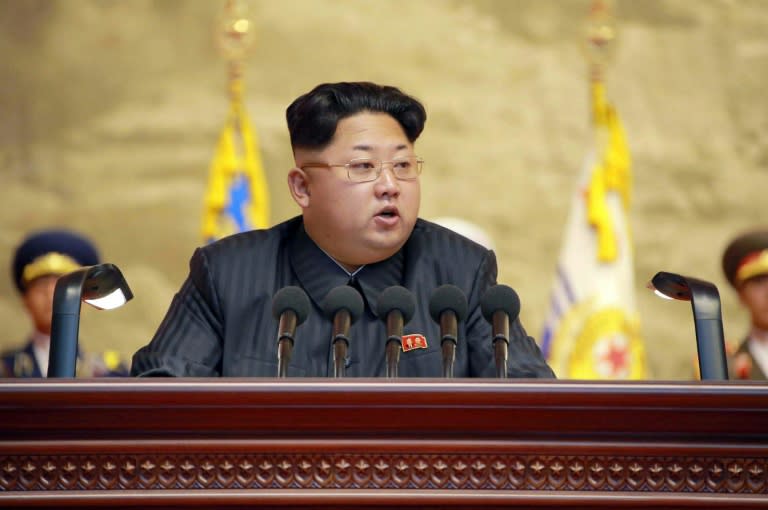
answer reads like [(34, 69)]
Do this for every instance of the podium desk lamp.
[(103, 287), (707, 318)]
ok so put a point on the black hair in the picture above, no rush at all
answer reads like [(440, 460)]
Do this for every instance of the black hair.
[(313, 117)]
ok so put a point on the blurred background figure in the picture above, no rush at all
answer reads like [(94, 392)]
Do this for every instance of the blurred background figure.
[(745, 264), (470, 230), (38, 263)]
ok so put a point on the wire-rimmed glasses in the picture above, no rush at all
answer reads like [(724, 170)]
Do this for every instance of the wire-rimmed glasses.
[(368, 169)]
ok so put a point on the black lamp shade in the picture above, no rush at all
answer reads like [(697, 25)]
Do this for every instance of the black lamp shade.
[(102, 286), (707, 317)]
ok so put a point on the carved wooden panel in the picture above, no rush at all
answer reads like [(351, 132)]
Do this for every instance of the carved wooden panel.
[(369, 444), (383, 470)]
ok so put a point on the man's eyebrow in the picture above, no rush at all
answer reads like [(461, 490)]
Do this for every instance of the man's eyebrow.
[(364, 147)]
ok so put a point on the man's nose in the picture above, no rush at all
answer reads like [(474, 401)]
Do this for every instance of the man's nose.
[(386, 181)]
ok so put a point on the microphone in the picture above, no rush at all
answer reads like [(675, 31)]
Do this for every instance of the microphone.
[(290, 306), (396, 307), (500, 305), (448, 306), (343, 305)]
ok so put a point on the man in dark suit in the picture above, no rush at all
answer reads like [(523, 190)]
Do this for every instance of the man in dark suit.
[(39, 261), (356, 181), (745, 264)]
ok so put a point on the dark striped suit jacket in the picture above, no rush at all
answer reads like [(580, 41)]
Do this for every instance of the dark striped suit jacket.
[(220, 322)]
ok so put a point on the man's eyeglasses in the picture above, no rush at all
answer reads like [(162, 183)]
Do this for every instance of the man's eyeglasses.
[(369, 169)]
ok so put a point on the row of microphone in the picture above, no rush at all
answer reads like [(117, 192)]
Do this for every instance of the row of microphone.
[(343, 305)]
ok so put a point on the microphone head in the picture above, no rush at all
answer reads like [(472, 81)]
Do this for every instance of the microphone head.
[(448, 297), (343, 297), (396, 298), (291, 298), (500, 297)]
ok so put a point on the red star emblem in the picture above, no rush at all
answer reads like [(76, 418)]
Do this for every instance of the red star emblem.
[(615, 356)]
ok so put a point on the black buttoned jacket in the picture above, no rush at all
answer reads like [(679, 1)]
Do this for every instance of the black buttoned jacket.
[(220, 322)]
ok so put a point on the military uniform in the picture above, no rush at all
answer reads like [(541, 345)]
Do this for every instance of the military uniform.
[(742, 364), (43, 254), (746, 258), (23, 363)]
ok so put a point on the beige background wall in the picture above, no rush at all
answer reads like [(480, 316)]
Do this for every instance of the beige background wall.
[(109, 113)]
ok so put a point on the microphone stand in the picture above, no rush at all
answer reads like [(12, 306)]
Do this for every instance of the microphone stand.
[(394, 342), (448, 341), (341, 324), (500, 342), (288, 323)]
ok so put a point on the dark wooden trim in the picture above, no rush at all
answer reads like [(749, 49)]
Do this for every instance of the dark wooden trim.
[(368, 443)]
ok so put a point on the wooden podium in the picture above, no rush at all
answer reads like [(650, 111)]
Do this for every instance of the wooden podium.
[(245, 443)]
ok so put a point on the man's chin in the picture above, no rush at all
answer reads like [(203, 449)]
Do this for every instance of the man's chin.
[(384, 247)]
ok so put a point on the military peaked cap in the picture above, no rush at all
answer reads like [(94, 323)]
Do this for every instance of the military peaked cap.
[(51, 252), (746, 257)]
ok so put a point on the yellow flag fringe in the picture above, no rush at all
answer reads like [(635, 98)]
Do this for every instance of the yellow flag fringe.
[(237, 197)]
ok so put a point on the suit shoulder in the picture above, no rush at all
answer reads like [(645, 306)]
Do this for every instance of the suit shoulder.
[(253, 242), (444, 242), (443, 256)]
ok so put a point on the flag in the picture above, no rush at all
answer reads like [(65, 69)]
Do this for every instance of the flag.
[(592, 330), (237, 198)]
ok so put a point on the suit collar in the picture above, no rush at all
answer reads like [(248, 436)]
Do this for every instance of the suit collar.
[(318, 273)]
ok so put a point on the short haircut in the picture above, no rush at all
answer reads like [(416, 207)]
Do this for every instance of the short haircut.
[(313, 117)]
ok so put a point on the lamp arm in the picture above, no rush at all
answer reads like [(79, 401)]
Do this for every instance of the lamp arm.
[(65, 323), (708, 321)]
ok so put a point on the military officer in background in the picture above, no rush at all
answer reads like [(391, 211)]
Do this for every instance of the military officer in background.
[(37, 264), (745, 264)]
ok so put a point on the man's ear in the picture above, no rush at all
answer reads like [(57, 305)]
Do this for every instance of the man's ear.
[(298, 185), (741, 294)]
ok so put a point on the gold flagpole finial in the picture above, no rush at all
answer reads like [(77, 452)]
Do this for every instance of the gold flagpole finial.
[(235, 39), (235, 35), (600, 34)]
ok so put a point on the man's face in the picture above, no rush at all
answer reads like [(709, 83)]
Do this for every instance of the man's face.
[(754, 295), (38, 300), (357, 223)]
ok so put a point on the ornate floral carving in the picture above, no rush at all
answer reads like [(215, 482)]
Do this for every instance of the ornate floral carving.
[(369, 471)]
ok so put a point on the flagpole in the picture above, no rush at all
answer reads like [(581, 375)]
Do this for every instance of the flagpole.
[(237, 197), (592, 328), (599, 43), (599, 49), (235, 42)]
